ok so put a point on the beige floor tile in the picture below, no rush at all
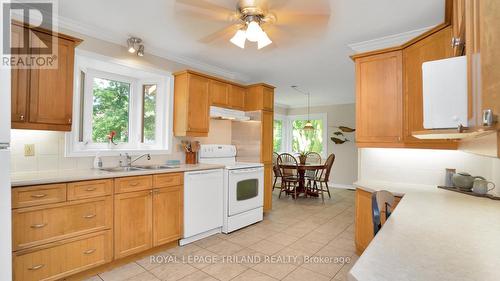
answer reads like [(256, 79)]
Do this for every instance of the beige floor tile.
[(302, 274), (298, 255), (307, 246), (332, 251), (198, 276), (224, 271), (225, 248), (267, 247), (209, 241), (145, 276), (343, 243), (122, 273), (328, 269), (185, 250), (283, 238), (318, 237), (203, 258), (93, 278), (252, 275), (152, 261), (297, 231), (244, 239), (249, 257), (275, 270), (172, 271)]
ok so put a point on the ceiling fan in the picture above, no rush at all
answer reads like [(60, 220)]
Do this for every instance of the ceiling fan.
[(252, 20)]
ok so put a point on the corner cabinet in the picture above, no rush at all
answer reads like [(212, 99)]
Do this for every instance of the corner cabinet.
[(191, 105), (42, 99)]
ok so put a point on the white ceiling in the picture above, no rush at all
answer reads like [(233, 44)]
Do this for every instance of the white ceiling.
[(315, 59)]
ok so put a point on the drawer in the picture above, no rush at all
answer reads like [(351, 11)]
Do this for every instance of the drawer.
[(166, 180), (130, 184), (43, 224), (89, 189), (38, 195), (57, 260)]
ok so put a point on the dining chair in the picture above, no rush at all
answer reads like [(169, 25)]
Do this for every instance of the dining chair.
[(382, 202), (312, 158), (289, 176), (323, 178), (276, 170)]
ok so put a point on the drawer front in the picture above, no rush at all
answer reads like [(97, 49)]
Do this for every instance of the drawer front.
[(166, 180), (89, 189), (39, 225), (38, 195), (57, 260), (130, 184)]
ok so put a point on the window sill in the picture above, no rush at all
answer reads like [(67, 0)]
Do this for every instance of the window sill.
[(116, 152)]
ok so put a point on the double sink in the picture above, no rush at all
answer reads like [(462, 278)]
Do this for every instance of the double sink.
[(139, 168)]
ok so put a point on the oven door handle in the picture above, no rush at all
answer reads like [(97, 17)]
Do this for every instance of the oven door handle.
[(245, 171)]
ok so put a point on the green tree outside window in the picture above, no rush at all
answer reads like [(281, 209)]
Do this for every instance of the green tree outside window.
[(304, 141), (277, 135)]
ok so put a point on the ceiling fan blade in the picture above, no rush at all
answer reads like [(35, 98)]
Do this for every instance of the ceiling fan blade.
[(204, 4), (201, 15), (220, 34), (302, 20)]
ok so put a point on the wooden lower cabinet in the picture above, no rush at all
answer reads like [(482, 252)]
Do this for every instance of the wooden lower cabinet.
[(60, 259), (268, 187), (133, 222), (168, 204), (363, 223)]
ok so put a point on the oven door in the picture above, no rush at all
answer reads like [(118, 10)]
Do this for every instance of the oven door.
[(246, 190)]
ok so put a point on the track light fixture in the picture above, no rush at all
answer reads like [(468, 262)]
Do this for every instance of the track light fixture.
[(134, 46)]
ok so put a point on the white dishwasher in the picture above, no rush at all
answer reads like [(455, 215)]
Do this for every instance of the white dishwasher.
[(203, 204)]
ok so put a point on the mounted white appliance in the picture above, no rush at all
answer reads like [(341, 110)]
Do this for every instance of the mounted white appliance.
[(243, 186), (203, 205), (445, 93), (227, 114)]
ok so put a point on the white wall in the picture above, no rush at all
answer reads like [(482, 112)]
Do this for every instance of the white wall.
[(345, 168), (423, 166)]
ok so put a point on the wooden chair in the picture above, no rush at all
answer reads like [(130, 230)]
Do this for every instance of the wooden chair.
[(382, 201), (323, 178), (276, 170), (289, 176), (312, 158)]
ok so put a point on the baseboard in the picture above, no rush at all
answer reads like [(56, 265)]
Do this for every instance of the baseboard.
[(340, 186)]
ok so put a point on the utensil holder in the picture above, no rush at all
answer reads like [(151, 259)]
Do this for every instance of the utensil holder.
[(191, 158)]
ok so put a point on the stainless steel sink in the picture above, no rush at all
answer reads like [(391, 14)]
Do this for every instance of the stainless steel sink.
[(122, 169)]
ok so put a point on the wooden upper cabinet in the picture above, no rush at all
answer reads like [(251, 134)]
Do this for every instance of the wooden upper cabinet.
[(42, 99), (259, 97), (219, 93), (433, 47), (191, 105), (458, 26), (379, 92), (237, 97)]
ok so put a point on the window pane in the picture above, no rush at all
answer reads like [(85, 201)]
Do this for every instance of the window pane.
[(277, 135), (110, 110), (149, 114), (303, 141)]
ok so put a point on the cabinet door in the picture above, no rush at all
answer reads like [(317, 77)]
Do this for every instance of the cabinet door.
[(363, 223), (267, 137), (379, 98), (219, 93), (51, 90), (458, 25), (168, 208), (198, 105), (19, 81), (268, 187), (237, 97), (434, 47), (133, 217), (268, 99)]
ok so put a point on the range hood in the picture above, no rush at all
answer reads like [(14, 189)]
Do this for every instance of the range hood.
[(227, 114)]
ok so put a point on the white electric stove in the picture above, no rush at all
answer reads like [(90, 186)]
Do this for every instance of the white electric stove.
[(243, 186)]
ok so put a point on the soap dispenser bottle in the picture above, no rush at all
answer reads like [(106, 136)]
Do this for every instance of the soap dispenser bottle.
[(98, 161)]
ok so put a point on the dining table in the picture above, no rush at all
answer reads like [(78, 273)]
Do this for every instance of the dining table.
[(302, 168)]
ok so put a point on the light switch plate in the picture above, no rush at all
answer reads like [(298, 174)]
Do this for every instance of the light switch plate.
[(29, 150)]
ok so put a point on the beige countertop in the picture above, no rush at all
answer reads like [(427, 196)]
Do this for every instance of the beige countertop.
[(46, 177), (433, 234)]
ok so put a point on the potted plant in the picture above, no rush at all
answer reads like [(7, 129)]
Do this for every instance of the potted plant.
[(302, 157)]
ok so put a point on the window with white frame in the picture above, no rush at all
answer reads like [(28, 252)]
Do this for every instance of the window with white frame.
[(279, 133), (295, 140), (119, 108)]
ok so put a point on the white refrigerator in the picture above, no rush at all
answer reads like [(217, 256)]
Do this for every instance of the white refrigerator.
[(5, 209)]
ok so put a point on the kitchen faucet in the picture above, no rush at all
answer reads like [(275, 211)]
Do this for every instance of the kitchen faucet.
[(129, 161)]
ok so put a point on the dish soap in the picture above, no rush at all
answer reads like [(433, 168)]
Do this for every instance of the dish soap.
[(97, 161)]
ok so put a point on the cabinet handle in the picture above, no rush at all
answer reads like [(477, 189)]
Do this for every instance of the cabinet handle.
[(39, 195), (69, 121), (89, 216), (21, 117), (456, 41), (90, 189), (36, 267), (88, 252), (488, 118), (39, 225)]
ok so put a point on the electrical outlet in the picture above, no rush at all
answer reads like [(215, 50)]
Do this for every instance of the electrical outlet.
[(29, 150)]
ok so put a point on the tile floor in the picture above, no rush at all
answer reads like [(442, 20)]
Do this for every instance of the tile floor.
[(300, 239)]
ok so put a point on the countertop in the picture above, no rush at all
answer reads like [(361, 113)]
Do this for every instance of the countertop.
[(433, 234), (46, 177)]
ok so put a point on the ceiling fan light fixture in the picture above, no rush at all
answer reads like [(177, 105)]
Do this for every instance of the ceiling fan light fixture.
[(263, 40), (239, 38), (253, 31)]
